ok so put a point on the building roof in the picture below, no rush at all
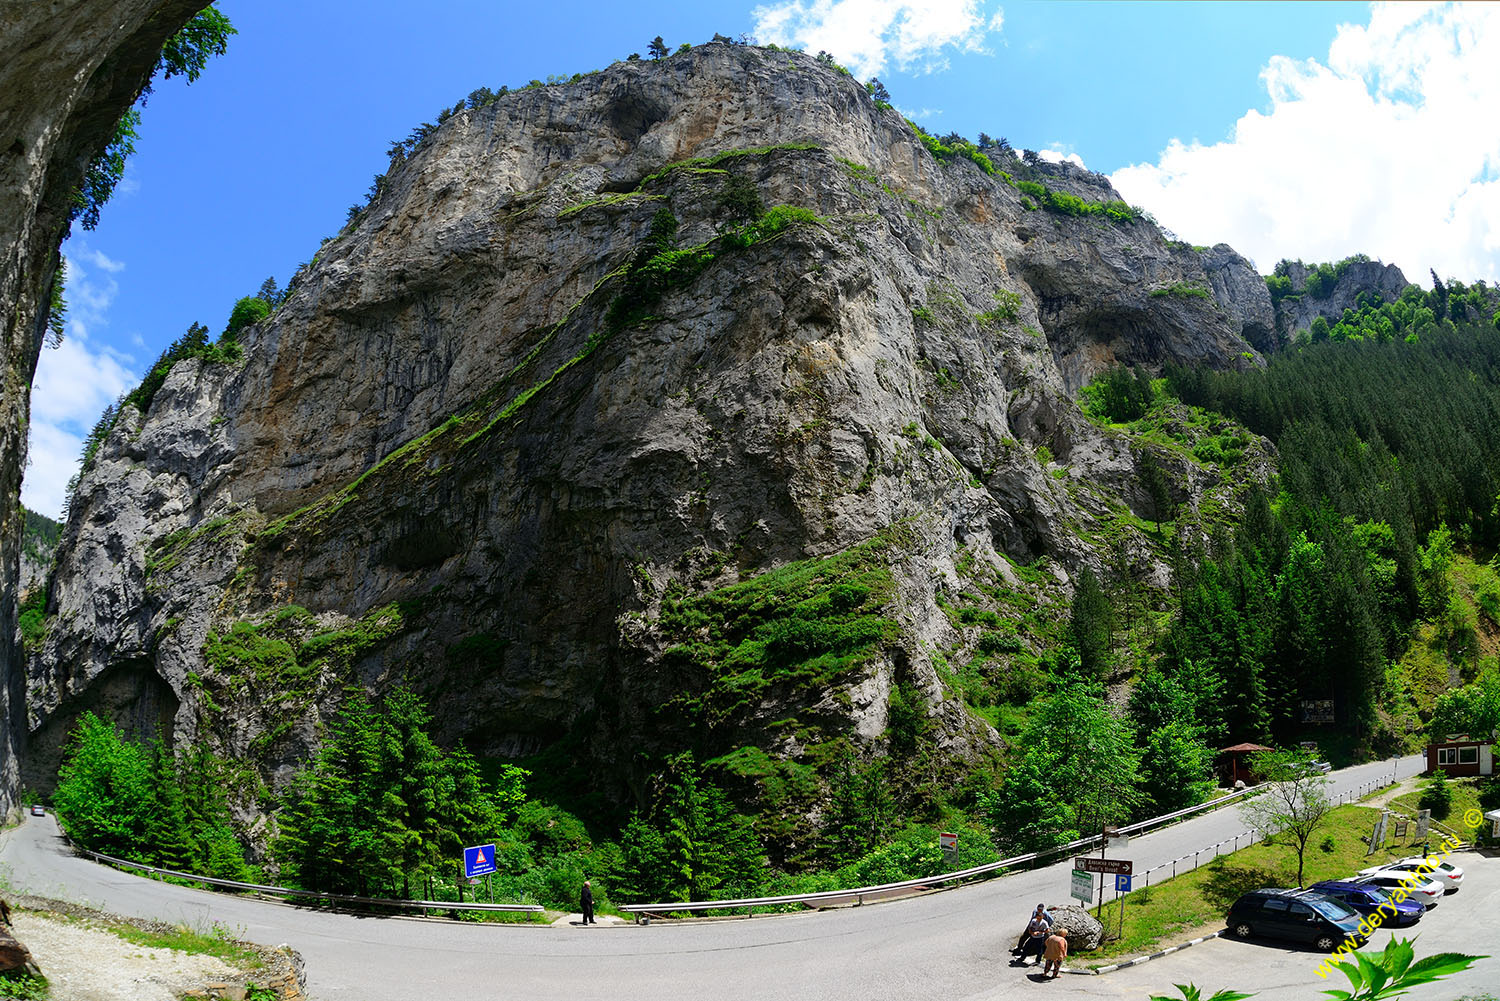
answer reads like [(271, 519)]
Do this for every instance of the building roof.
[(1244, 748)]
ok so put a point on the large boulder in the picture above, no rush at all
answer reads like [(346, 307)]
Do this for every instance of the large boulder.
[(1084, 930), (15, 958)]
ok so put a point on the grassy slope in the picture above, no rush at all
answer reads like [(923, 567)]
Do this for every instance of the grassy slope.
[(1195, 903)]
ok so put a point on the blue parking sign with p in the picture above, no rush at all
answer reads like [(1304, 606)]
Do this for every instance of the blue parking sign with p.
[(479, 861), (1122, 883)]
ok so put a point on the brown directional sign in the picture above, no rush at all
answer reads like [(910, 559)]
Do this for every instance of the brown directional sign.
[(1118, 866)]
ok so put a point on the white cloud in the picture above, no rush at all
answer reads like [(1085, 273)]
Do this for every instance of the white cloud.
[(919, 115), (91, 288), (866, 35), (1390, 147), (74, 383), (1056, 155), (50, 462)]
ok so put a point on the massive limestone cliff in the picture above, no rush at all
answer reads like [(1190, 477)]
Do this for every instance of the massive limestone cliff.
[(555, 436), (68, 70)]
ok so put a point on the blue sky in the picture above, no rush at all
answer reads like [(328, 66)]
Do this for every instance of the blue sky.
[(1309, 130)]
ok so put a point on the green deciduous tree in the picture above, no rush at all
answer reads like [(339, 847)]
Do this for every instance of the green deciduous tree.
[(1436, 560), (1079, 772), (1472, 709), (1292, 802), (187, 52), (1176, 768), (248, 310), (1025, 811), (104, 789)]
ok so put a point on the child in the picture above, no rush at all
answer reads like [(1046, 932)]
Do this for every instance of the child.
[(1056, 952)]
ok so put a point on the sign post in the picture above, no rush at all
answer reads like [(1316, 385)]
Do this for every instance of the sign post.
[(948, 842), (1122, 885), (1112, 866), (479, 861), (1083, 885)]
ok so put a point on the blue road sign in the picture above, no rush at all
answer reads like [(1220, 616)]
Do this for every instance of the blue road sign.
[(479, 861), (1122, 883)]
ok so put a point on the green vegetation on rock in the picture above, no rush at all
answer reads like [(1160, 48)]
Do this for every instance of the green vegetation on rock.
[(805, 624)]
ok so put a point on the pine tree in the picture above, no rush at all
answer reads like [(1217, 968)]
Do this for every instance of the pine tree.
[(270, 293), (168, 833), (1092, 625), (657, 49)]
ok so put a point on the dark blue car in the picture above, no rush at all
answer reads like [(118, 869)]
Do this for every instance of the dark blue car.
[(1367, 899)]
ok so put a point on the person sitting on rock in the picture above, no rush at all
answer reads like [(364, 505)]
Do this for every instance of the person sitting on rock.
[(1034, 938)]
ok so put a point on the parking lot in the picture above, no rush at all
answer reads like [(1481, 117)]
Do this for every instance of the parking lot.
[(1467, 921)]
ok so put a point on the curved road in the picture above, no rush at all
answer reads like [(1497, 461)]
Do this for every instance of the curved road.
[(952, 945)]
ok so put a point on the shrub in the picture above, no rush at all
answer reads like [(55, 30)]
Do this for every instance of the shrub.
[(1437, 797), (1489, 793), (249, 310)]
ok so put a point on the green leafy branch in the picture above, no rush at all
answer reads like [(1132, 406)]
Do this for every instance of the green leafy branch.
[(1389, 973), (1392, 972)]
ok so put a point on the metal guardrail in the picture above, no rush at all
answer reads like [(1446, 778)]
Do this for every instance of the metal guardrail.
[(286, 891), (859, 893), (1252, 836)]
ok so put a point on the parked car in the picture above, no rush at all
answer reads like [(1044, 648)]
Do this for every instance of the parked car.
[(1449, 880), (1297, 915), (1450, 875), (1367, 899), (38, 810), (1313, 767), (1419, 888)]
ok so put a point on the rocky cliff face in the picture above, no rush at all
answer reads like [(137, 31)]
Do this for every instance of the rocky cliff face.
[(595, 483), (68, 70), (1295, 312), (38, 544)]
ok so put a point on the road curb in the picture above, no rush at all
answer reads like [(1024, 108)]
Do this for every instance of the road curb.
[(1137, 961)]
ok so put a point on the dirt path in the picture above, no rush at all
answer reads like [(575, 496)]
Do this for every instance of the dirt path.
[(88, 964), (1384, 797)]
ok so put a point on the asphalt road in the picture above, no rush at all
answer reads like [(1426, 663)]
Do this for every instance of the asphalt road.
[(953, 945)]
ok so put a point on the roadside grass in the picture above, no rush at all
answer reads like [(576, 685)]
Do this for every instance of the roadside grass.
[(215, 942), (1194, 903)]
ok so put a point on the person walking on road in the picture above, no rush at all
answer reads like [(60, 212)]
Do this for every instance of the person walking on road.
[(586, 904), (1034, 938), (1056, 951)]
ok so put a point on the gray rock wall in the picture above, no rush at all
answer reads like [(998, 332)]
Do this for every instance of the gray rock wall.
[(429, 448), (1297, 311), (68, 70)]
